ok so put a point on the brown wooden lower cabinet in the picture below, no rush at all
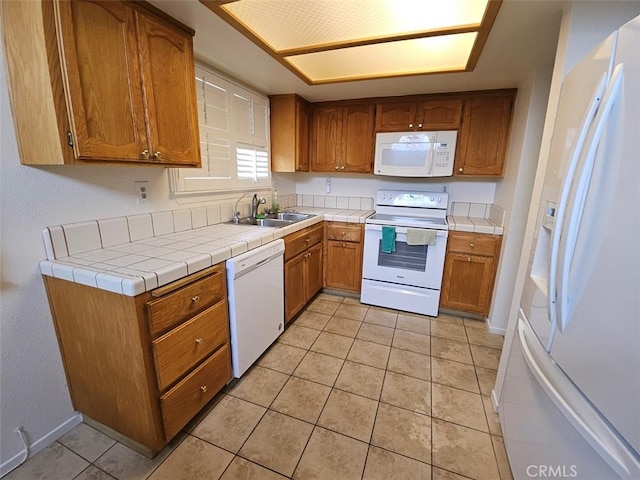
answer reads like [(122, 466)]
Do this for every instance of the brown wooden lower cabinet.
[(469, 272), (302, 268), (133, 369), (343, 257)]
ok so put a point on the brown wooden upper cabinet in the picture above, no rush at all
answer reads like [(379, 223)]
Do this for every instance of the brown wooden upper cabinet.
[(432, 114), (484, 135), (126, 94), (342, 138), (289, 133)]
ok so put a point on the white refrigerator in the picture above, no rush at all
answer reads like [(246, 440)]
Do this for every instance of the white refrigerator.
[(570, 403)]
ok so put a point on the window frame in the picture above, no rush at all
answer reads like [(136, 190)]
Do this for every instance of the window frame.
[(222, 122)]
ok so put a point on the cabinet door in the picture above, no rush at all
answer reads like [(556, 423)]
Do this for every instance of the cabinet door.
[(467, 283), (302, 135), (395, 117), (442, 114), (344, 265), (482, 142), (166, 58), (294, 286), (102, 80), (326, 139), (313, 270), (289, 133), (358, 139)]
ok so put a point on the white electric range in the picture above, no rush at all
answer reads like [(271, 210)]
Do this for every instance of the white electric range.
[(410, 277)]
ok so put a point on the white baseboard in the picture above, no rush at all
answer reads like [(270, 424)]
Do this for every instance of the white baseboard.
[(40, 444), (494, 401), (496, 330)]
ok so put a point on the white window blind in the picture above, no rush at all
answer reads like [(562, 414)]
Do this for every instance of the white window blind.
[(234, 139)]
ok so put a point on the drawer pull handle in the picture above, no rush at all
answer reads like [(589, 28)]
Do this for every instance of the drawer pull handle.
[(307, 240), (344, 245), (468, 259), (198, 340), (203, 388), (344, 234), (195, 299), (472, 245)]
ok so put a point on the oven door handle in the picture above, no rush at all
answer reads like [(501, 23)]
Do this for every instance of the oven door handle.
[(403, 230)]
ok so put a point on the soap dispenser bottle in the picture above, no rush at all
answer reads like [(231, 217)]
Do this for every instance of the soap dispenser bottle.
[(275, 204)]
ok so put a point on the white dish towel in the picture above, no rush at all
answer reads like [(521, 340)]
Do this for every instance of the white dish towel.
[(420, 236)]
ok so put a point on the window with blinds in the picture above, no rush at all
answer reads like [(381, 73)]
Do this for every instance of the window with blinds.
[(234, 139)]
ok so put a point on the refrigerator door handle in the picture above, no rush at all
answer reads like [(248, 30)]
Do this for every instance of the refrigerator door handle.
[(573, 407), (562, 204), (575, 208)]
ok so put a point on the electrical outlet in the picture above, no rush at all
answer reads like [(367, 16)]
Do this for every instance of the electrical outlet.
[(143, 196), (328, 185)]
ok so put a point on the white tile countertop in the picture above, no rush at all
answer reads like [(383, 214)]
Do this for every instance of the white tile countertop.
[(134, 254), (476, 217)]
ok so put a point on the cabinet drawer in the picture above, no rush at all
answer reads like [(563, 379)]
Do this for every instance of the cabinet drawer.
[(173, 308), (299, 241), (344, 232), (186, 399), (473, 243), (183, 347)]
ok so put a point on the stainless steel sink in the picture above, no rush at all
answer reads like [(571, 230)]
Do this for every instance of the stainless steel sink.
[(291, 216), (264, 222), (275, 220)]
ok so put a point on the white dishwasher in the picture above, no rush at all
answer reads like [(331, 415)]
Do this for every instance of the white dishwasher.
[(255, 282)]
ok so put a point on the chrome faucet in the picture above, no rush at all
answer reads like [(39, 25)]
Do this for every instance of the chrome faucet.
[(254, 204), (236, 213), (255, 201)]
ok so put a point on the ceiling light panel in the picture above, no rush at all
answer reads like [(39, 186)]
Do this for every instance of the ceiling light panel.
[(289, 25), (407, 57)]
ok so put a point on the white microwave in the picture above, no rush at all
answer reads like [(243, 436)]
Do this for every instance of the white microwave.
[(415, 154)]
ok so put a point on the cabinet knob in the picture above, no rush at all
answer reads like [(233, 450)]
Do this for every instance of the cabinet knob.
[(344, 245), (157, 155), (411, 125), (342, 167), (204, 388), (468, 259), (337, 167), (419, 125), (195, 299), (344, 234), (460, 169), (145, 154), (471, 245), (198, 341), (307, 240)]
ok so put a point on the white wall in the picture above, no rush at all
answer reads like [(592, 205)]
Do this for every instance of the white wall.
[(33, 390), (513, 193), (358, 185)]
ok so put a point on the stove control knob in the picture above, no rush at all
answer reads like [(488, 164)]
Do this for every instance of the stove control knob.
[(432, 198)]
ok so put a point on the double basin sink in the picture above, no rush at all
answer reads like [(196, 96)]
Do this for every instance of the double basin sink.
[(277, 220)]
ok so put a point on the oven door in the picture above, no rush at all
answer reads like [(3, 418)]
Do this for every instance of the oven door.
[(417, 265)]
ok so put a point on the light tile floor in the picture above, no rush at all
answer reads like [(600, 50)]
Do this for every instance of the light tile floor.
[(347, 392)]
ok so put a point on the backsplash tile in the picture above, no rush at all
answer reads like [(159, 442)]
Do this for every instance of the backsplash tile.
[(318, 201), (59, 242), (182, 220), (82, 237), (330, 202), (113, 231), (199, 217), (460, 209), (496, 215), (354, 203), (213, 215), (307, 200), (477, 210), (342, 202), (162, 223), (140, 227)]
